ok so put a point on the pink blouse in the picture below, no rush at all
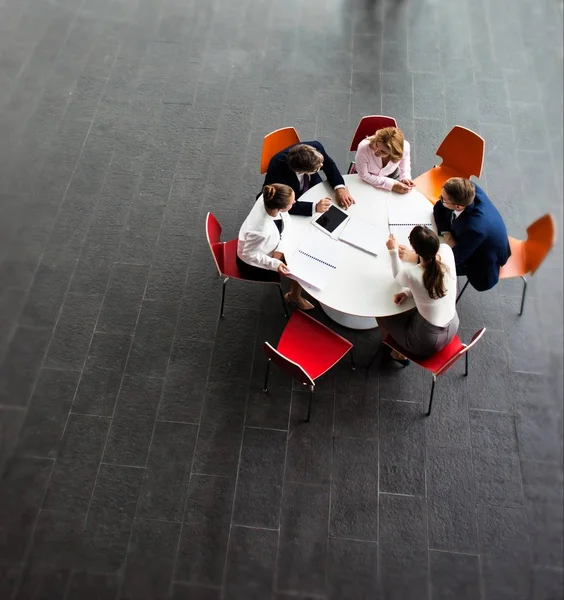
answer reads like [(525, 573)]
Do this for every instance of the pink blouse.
[(370, 169)]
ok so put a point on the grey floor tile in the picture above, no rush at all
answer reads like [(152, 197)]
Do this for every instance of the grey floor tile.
[(304, 527), (97, 392), (402, 453), (454, 576), (352, 569), (11, 420), (183, 591), (108, 351), (168, 471), (205, 532), (259, 484), (150, 559), (47, 414), (251, 560), (354, 489), (92, 586)]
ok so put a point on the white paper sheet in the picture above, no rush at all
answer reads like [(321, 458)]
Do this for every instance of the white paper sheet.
[(316, 260), (401, 233), (363, 235), (406, 210)]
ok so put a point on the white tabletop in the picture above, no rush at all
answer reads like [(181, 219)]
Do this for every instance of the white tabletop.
[(363, 284)]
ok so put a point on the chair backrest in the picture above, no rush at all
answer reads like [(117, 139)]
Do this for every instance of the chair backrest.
[(368, 126), (291, 367), (541, 236), (463, 150), (475, 339), (213, 235), (276, 141)]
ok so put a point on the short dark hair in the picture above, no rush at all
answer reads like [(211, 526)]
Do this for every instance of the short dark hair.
[(461, 191), (276, 195), (304, 159)]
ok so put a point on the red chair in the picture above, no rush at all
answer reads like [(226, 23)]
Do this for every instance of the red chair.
[(440, 362), (224, 255), (306, 350), (368, 126)]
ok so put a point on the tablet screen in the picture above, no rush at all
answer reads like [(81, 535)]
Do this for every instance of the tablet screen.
[(331, 219)]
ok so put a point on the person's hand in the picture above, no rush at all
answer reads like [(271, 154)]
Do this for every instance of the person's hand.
[(391, 243), (278, 255), (323, 205), (400, 298), (407, 255), (400, 188), (283, 269), (447, 237), (408, 182), (343, 198)]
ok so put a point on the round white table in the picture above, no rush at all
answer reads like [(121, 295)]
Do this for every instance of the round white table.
[(363, 285)]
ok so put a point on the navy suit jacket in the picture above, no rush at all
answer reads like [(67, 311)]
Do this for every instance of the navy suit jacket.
[(279, 172), (482, 246)]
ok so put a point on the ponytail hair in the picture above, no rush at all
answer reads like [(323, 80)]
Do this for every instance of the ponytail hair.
[(426, 243), (277, 196)]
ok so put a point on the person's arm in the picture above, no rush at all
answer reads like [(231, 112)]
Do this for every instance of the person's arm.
[(362, 161), (405, 162), (442, 217), (466, 243), (330, 169), (251, 253), (399, 273), (302, 209)]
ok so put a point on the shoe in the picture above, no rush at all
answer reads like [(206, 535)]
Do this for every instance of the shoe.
[(387, 357), (303, 305)]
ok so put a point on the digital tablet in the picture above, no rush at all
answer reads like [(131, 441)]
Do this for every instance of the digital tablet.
[(330, 220)]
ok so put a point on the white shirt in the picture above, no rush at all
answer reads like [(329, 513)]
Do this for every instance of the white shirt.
[(370, 168), (300, 177), (259, 237), (440, 311)]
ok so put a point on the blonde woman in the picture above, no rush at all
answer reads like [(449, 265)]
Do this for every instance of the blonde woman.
[(383, 161)]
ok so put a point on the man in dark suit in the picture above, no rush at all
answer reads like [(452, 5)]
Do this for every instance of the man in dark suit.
[(298, 166), (472, 226)]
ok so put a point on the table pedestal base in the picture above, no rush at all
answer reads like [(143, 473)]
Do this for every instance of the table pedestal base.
[(349, 321)]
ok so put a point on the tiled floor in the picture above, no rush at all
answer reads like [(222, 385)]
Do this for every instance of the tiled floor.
[(141, 459)]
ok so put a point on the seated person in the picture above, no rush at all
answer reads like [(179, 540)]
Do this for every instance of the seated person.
[(432, 324), (472, 226), (298, 166), (260, 248), (383, 160)]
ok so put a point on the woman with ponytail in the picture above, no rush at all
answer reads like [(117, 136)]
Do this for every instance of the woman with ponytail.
[(432, 324), (260, 247)]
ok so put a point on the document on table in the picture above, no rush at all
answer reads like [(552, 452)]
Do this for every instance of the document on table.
[(316, 260), (405, 213), (401, 232), (363, 235)]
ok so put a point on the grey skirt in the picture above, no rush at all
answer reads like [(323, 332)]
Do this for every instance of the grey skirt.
[(416, 335)]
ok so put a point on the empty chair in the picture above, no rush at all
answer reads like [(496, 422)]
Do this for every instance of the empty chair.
[(306, 350), (276, 141), (224, 255), (368, 126), (442, 361), (462, 152), (528, 255)]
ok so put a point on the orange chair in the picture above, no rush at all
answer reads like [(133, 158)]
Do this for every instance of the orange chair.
[(527, 256), (276, 141), (306, 350), (462, 152), (368, 126), (438, 363), (224, 255)]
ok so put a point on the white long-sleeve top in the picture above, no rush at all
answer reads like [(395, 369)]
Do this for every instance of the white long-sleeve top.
[(441, 311), (259, 237), (369, 166)]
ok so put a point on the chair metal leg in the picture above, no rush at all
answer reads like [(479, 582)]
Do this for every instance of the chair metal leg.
[(523, 296), (265, 388), (223, 296), (432, 394), (350, 170), (283, 301), (462, 292), (466, 363), (310, 403), (353, 364)]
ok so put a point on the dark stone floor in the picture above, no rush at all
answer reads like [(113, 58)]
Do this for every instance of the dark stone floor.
[(140, 458)]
